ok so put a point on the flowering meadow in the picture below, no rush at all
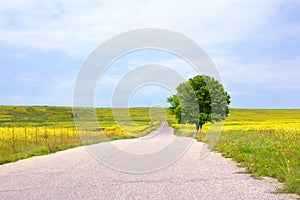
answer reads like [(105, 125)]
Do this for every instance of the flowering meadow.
[(265, 141), (27, 131)]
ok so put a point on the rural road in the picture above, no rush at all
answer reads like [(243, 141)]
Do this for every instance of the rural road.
[(76, 174)]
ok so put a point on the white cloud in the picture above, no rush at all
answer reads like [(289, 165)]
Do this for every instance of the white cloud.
[(29, 78), (220, 26), (76, 27)]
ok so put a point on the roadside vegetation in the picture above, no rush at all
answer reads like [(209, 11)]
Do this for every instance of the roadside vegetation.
[(27, 131), (265, 141)]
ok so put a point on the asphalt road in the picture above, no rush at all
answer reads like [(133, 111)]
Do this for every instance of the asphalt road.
[(79, 174)]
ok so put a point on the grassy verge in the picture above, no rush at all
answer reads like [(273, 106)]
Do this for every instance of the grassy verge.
[(266, 142), (265, 153)]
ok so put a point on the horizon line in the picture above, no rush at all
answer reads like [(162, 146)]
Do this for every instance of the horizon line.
[(262, 108)]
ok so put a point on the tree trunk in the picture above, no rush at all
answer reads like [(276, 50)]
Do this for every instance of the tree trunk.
[(201, 127), (197, 127)]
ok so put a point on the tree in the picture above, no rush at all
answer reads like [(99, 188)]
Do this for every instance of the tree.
[(200, 100)]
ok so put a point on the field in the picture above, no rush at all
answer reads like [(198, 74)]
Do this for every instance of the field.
[(27, 131), (266, 142)]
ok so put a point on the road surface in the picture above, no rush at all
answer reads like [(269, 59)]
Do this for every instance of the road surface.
[(77, 174)]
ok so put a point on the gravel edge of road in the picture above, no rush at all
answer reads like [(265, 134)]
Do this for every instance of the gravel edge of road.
[(273, 182)]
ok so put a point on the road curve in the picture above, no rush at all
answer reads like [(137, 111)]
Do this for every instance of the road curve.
[(76, 174)]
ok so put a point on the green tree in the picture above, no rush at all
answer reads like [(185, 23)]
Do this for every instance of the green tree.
[(200, 100)]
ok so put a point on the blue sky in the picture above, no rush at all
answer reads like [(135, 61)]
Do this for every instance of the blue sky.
[(255, 45)]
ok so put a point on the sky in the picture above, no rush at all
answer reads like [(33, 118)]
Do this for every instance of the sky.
[(254, 45)]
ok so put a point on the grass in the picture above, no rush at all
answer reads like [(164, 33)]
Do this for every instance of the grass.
[(27, 131), (266, 142)]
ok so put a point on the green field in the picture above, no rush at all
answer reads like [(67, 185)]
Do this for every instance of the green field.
[(265, 141), (27, 131)]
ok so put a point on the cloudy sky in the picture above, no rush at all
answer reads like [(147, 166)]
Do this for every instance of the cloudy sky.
[(254, 44)]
